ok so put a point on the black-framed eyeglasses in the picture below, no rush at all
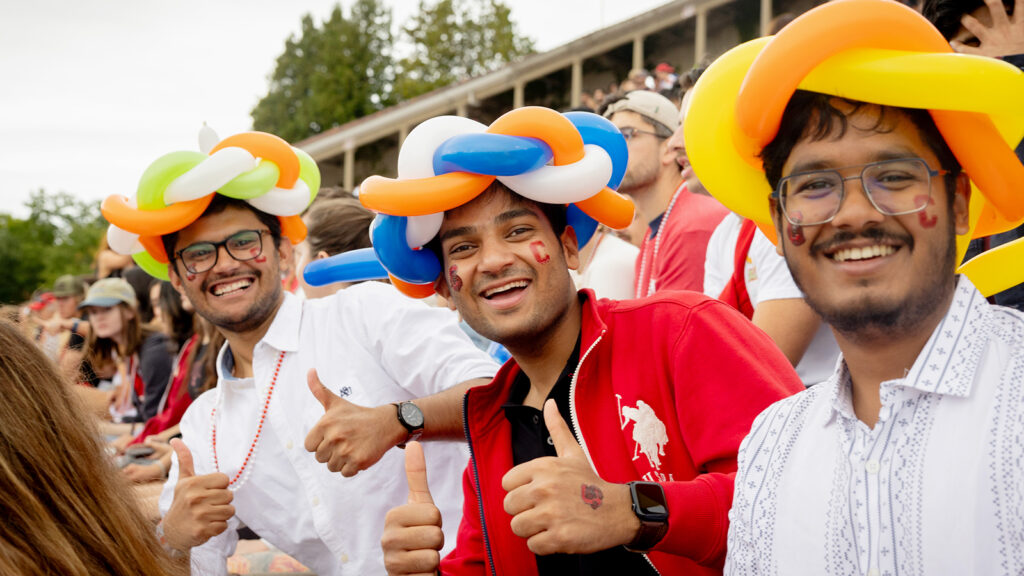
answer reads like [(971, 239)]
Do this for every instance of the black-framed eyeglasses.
[(894, 188), (242, 246), (629, 133)]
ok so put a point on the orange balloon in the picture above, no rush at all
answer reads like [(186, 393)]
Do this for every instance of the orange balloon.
[(267, 147), (119, 212), (155, 246), (783, 64), (293, 228), (419, 196), (545, 124), (609, 208), (412, 290)]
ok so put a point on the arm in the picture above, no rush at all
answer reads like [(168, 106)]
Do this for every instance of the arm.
[(155, 365), (790, 323)]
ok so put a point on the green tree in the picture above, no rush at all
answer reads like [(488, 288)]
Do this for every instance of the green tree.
[(331, 74), (453, 40), (60, 236)]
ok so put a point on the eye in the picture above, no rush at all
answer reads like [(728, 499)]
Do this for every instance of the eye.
[(198, 252), (814, 187), (460, 250), (519, 231)]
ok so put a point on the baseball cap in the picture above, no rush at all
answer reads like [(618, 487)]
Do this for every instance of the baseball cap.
[(67, 286), (664, 67), (649, 105), (110, 292)]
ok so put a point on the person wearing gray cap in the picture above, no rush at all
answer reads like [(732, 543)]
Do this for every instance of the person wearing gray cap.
[(680, 222), (137, 360), (69, 328)]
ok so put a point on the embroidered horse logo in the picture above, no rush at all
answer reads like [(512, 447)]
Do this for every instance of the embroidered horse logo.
[(649, 431)]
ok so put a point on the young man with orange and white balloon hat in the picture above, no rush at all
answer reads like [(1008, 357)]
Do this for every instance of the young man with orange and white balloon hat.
[(908, 459), (606, 444), (221, 224)]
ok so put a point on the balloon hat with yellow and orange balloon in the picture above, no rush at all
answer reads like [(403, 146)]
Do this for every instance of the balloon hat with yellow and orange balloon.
[(875, 51), (577, 158), (175, 190)]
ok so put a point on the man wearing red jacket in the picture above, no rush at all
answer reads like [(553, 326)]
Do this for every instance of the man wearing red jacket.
[(657, 394)]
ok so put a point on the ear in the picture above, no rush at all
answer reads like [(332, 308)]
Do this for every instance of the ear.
[(442, 289), (961, 204), (321, 255), (286, 252), (668, 154), (570, 248), (773, 205)]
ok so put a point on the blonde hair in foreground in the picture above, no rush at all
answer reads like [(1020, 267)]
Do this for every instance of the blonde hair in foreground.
[(65, 509)]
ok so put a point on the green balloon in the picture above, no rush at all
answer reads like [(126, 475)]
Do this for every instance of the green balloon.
[(156, 178), (253, 183), (309, 172), (151, 266)]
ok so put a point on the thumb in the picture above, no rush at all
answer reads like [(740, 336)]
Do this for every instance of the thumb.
[(185, 467), (416, 474), (565, 442), (320, 392)]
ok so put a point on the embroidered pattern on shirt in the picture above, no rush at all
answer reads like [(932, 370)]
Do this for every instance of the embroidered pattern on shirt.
[(649, 432)]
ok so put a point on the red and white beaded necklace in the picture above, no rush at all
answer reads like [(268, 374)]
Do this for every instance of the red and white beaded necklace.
[(654, 255), (236, 482)]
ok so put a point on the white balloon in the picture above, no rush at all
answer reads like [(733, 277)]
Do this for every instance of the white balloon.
[(123, 241), (421, 229), (416, 158), (283, 202), (565, 184), (207, 139), (209, 175)]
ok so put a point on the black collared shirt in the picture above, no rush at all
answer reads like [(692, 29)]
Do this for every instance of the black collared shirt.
[(530, 440)]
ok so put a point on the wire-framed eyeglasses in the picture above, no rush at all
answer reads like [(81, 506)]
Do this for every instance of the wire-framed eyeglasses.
[(894, 187), (242, 246)]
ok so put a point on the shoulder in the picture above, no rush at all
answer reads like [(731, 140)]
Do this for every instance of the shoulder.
[(787, 417), (673, 306)]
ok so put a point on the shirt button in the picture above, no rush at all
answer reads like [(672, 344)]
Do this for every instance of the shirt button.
[(871, 466), (536, 419), (550, 441), (344, 558), (288, 445), (316, 501), (873, 572)]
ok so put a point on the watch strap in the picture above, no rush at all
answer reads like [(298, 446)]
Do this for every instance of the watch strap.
[(651, 531)]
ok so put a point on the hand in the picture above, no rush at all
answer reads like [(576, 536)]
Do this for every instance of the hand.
[(412, 537), (1002, 36), (201, 507), (350, 438), (560, 505), (142, 473), (121, 442)]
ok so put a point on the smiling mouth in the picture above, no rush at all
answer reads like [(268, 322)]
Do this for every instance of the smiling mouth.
[(226, 288), (515, 285), (862, 253)]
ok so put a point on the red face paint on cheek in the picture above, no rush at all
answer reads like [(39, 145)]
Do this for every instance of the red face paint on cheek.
[(190, 277), (795, 234), (926, 218), (540, 252), (261, 259), (453, 278)]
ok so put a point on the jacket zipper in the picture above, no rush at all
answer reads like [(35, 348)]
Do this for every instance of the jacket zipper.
[(576, 423), (476, 481)]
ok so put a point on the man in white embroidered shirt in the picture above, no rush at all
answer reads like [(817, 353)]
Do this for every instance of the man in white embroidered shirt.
[(254, 446), (908, 459)]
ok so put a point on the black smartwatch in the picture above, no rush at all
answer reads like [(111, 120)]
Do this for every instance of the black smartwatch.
[(650, 507), (410, 416)]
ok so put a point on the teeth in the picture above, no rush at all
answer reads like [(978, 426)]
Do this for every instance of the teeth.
[(863, 253), (222, 289), (505, 288)]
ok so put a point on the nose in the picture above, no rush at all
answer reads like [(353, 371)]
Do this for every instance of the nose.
[(856, 210), (225, 262), (495, 256)]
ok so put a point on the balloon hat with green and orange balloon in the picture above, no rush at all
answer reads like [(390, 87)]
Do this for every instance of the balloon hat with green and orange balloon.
[(875, 51), (175, 190)]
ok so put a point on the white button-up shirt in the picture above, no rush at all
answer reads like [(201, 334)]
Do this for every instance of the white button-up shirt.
[(936, 487), (371, 346)]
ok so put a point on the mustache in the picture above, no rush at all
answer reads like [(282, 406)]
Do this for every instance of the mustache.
[(486, 278), (210, 281), (875, 234)]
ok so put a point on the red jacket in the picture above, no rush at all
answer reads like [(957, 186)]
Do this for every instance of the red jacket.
[(704, 370)]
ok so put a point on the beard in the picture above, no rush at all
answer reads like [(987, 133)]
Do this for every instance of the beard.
[(869, 316), (260, 311), (639, 177)]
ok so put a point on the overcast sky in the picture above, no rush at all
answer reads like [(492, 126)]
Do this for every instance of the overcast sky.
[(92, 91)]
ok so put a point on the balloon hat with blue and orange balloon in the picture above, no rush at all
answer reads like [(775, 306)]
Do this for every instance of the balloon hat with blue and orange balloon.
[(577, 158), (875, 51), (175, 190)]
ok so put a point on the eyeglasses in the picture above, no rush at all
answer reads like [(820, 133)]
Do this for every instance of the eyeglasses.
[(629, 133), (894, 187), (242, 246)]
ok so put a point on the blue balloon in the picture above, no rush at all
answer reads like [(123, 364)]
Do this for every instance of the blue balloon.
[(601, 132), (584, 225), (492, 154), (352, 266), (414, 266)]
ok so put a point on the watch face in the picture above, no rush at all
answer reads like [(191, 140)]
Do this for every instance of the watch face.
[(651, 500), (411, 414)]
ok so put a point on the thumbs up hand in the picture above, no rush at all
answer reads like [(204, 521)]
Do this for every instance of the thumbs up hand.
[(201, 507), (560, 505), (350, 438), (412, 537)]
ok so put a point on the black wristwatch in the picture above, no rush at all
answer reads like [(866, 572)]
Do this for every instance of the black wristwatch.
[(410, 416), (650, 507)]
